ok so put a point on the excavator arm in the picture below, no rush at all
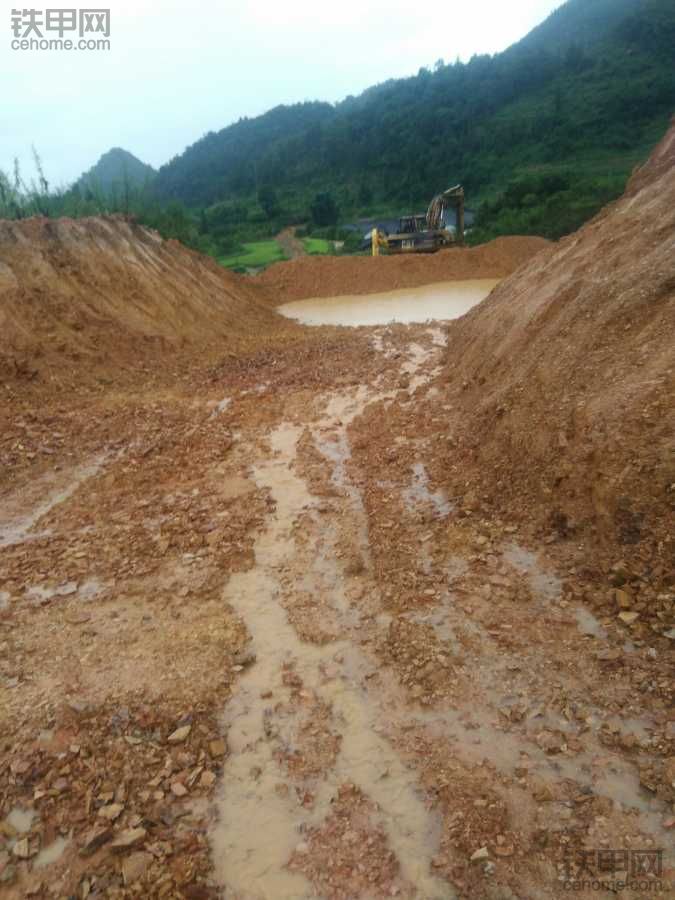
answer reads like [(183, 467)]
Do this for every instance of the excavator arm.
[(454, 196)]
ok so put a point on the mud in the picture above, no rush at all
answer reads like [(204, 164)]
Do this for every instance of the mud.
[(259, 825), (334, 615)]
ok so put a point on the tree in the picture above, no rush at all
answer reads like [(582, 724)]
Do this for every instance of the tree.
[(324, 210), (268, 200), (365, 195)]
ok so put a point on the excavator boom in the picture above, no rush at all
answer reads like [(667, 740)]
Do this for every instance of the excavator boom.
[(454, 196)]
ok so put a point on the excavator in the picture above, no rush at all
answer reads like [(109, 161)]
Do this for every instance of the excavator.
[(425, 234)]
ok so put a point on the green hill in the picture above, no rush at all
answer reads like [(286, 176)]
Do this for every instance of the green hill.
[(542, 134)]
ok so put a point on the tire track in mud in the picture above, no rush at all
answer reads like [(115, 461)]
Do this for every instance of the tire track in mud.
[(258, 827), (261, 824)]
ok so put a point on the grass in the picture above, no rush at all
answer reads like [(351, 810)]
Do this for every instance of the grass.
[(317, 246), (253, 255)]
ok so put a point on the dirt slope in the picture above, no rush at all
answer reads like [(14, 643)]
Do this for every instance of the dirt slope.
[(328, 276), (562, 380), (81, 291)]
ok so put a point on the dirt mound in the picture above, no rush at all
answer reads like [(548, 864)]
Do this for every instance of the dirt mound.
[(562, 381), (93, 289), (328, 276)]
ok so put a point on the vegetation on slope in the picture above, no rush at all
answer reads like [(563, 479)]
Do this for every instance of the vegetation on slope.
[(583, 98), (541, 135)]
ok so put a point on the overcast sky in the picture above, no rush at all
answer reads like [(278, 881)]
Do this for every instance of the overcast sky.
[(178, 69)]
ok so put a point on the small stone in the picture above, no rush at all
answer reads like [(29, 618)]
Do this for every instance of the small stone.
[(180, 735), (208, 779), (111, 812), (622, 599), (542, 791), (619, 574), (19, 766), (217, 748), (628, 617), (94, 839), (243, 658), (550, 741), (22, 849), (178, 789), (135, 866), (7, 830), (78, 619), (127, 840), (480, 855)]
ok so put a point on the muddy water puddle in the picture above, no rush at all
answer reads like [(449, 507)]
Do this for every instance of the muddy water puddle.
[(24, 510), (441, 301)]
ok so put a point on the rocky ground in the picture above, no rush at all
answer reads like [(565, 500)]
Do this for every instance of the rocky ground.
[(250, 647), (338, 613)]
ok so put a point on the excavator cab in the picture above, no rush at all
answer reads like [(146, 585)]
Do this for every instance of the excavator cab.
[(412, 224)]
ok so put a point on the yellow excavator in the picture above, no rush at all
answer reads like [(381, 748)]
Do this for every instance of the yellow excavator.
[(425, 234)]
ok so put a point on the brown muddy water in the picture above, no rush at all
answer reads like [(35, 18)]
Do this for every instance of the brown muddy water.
[(444, 300)]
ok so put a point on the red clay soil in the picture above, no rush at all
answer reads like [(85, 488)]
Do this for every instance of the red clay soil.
[(77, 294), (328, 276), (412, 601), (562, 384)]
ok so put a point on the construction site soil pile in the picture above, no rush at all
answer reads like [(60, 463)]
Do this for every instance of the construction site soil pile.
[(561, 386), (99, 293), (330, 276)]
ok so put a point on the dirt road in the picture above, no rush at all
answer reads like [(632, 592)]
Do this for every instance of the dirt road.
[(246, 652), (290, 244)]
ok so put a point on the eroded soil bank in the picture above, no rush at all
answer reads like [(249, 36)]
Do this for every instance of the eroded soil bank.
[(248, 652)]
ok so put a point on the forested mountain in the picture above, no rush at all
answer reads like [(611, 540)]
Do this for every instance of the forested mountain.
[(580, 22), (224, 164), (114, 170), (546, 131)]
